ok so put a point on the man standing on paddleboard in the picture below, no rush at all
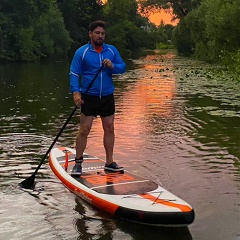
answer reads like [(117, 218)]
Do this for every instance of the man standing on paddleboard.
[(94, 64)]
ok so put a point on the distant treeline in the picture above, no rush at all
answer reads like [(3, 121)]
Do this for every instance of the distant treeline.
[(34, 29), (208, 29), (37, 29)]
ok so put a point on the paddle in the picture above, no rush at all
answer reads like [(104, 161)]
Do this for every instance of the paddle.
[(29, 182)]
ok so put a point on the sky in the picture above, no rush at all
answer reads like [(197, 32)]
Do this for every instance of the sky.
[(156, 18)]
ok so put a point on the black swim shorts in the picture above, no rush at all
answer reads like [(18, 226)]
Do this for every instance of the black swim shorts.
[(94, 105)]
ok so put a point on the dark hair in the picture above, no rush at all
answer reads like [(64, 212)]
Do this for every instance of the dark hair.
[(96, 24)]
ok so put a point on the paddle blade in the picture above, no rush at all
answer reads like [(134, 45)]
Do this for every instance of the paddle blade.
[(28, 183)]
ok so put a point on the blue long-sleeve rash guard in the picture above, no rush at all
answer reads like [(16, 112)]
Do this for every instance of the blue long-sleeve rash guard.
[(86, 63)]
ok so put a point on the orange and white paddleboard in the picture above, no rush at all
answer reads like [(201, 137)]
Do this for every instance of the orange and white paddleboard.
[(124, 195)]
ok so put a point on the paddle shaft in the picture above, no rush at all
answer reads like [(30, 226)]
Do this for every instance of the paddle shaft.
[(55, 140), (27, 183), (65, 124)]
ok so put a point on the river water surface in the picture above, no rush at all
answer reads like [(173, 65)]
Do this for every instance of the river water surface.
[(176, 123)]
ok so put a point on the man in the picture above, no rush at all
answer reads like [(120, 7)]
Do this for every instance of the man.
[(99, 99)]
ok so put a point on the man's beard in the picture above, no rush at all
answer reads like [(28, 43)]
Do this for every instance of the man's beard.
[(99, 42)]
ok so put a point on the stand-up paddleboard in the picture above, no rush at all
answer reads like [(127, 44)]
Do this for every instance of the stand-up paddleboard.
[(121, 194)]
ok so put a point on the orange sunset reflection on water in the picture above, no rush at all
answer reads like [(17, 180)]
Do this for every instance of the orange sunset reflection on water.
[(143, 106), (150, 97)]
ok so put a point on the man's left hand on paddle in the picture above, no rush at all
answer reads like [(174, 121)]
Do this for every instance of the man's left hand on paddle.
[(108, 63)]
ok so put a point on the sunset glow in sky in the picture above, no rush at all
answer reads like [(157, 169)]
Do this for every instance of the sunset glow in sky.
[(156, 18)]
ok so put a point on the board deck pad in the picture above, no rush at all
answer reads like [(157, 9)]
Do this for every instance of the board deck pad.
[(122, 194), (94, 177)]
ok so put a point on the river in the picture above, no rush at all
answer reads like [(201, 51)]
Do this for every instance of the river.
[(176, 124)]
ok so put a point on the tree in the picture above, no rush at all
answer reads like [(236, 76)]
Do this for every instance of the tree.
[(124, 25), (180, 8), (31, 30), (182, 39), (77, 16), (214, 29)]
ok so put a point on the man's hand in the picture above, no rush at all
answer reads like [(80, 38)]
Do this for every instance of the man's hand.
[(108, 63), (77, 99)]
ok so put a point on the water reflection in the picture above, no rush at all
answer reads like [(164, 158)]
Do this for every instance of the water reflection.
[(92, 223), (174, 124), (103, 226)]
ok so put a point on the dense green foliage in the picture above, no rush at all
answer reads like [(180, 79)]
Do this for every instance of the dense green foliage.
[(218, 30), (32, 30), (180, 8), (129, 31), (213, 32), (208, 29), (77, 15), (182, 40), (124, 25)]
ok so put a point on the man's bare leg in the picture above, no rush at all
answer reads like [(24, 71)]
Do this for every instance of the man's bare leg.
[(108, 142), (84, 129), (81, 143), (108, 137)]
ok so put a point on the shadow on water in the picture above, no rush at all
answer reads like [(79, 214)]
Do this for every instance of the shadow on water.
[(141, 232), (96, 224)]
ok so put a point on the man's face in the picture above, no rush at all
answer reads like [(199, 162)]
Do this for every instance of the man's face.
[(97, 36)]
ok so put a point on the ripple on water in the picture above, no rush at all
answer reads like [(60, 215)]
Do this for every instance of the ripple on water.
[(175, 124)]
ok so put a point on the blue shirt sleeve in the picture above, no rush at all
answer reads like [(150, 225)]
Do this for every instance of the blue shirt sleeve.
[(119, 64), (75, 71)]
